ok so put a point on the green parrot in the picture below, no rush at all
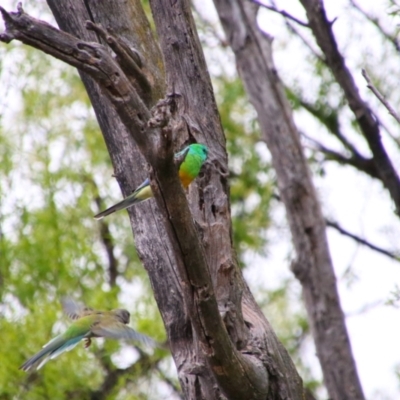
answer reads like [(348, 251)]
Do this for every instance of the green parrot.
[(88, 324), (192, 159)]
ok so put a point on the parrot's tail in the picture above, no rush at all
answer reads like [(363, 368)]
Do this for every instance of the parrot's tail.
[(129, 201), (142, 193), (51, 350)]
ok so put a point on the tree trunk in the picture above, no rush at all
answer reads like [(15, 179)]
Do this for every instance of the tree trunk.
[(222, 344), (313, 266)]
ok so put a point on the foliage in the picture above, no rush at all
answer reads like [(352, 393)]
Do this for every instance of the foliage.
[(53, 156)]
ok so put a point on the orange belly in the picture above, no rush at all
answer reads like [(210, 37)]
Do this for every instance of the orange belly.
[(185, 178)]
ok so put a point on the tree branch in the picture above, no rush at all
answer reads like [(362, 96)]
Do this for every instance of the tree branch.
[(107, 240), (362, 241), (174, 387), (294, 29), (380, 97), (357, 161), (328, 117), (313, 266), (358, 239), (375, 21), (322, 30), (139, 368), (281, 12), (239, 375), (92, 58)]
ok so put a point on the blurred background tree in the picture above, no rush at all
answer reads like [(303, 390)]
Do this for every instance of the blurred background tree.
[(55, 174)]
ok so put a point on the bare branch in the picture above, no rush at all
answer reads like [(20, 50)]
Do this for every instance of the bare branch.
[(329, 118), (312, 266), (281, 12), (141, 367), (362, 241), (294, 29), (193, 268), (322, 30), (129, 59), (393, 137), (375, 21), (107, 240), (366, 308), (170, 383), (92, 58), (380, 97), (105, 235), (108, 243), (356, 160), (207, 25), (358, 239)]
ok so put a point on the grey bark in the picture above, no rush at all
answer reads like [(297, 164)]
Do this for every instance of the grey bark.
[(313, 266), (221, 343)]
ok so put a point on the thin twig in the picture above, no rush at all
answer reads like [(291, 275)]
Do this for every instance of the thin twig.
[(209, 25), (326, 40), (356, 160), (168, 381), (366, 308), (375, 21), (282, 12), (362, 241), (294, 29), (358, 239), (332, 126), (105, 235), (380, 97)]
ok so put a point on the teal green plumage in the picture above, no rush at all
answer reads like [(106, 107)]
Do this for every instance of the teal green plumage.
[(192, 159), (88, 324), (64, 342)]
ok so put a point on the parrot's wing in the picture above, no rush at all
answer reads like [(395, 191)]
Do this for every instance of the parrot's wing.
[(73, 309), (120, 331), (180, 156), (145, 183)]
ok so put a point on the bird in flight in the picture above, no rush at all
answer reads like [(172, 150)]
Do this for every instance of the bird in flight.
[(88, 324)]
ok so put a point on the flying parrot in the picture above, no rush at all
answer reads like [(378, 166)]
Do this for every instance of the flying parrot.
[(88, 323), (192, 159)]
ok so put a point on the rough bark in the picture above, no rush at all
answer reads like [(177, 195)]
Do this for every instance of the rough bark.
[(222, 344), (313, 265)]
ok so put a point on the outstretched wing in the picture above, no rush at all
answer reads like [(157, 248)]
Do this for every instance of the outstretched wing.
[(120, 331), (73, 309), (180, 156)]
